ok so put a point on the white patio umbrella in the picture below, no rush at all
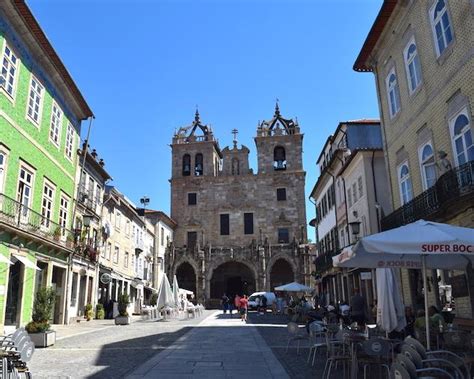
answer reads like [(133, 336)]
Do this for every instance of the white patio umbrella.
[(421, 244), (390, 308), (293, 287), (165, 296), (175, 290)]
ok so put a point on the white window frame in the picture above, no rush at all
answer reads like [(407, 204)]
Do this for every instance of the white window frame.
[(125, 259), (50, 199), (3, 168), (396, 93), (434, 22), (401, 182), (9, 61), (108, 251), (116, 256), (64, 201), (360, 186), (426, 162), (69, 148), (468, 127), (37, 99), (415, 61), (56, 123), (117, 220), (28, 169)]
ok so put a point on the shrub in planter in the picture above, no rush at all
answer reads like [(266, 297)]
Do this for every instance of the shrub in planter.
[(99, 311), (123, 302), (89, 313), (57, 233), (42, 312), (154, 299)]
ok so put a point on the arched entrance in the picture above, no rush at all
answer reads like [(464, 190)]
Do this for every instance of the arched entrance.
[(281, 273), (186, 277), (232, 278)]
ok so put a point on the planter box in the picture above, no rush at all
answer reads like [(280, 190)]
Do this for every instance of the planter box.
[(43, 339), (122, 320)]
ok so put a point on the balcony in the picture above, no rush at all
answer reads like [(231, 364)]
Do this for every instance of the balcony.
[(323, 262), (21, 220), (454, 188), (139, 246), (87, 199)]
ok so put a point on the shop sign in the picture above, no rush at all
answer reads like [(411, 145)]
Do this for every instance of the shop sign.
[(105, 278)]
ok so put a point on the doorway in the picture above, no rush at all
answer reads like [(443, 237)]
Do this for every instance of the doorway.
[(14, 293)]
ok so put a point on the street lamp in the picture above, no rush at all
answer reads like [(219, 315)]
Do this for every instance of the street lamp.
[(86, 221), (355, 228)]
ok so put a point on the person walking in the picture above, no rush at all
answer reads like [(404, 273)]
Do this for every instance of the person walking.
[(237, 302), (244, 303), (225, 303), (358, 308)]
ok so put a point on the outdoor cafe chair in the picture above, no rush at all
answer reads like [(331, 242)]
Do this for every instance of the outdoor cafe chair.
[(294, 334), (317, 335), (374, 352), (421, 363), (339, 352), (445, 355), (404, 368)]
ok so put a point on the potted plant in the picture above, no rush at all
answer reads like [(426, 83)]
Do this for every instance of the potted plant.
[(123, 318), (154, 299), (57, 233), (99, 311), (89, 313), (70, 240), (39, 328)]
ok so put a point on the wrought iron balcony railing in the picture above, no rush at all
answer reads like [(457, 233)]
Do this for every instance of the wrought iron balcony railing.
[(17, 215), (452, 186), (323, 262)]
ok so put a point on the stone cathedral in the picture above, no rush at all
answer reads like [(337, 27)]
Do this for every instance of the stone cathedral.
[(238, 231)]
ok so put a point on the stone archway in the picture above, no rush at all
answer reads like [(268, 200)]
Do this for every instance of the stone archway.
[(232, 278), (186, 277), (281, 272)]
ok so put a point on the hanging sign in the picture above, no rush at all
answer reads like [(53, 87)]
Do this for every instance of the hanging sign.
[(105, 278)]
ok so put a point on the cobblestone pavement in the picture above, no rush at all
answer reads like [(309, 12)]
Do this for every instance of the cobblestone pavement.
[(102, 350)]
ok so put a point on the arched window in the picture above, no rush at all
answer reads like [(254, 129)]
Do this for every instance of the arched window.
[(406, 189), (279, 158), (186, 165), (235, 166), (412, 64), (462, 138), (427, 166), (198, 165), (441, 25), (393, 93)]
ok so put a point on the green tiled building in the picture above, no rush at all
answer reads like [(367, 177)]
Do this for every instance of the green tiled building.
[(41, 110)]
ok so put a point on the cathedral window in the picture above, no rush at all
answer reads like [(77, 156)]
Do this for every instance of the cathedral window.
[(198, 167), (192, 239), (281, 194), (248, 223), (186, 165), (279, 158), (283, 235), (192, 198), (235, 166), (225, 224)]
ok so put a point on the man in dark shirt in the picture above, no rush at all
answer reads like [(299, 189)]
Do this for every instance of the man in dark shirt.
[(358, 308)]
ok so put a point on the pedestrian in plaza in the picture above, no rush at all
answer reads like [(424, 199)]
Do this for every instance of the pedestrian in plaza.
[(263, 306), (225, 303), (358, 308), (410, 319), (244, 303), (237, 302)]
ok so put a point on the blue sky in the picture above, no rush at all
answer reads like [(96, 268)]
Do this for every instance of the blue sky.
[(143, 66)]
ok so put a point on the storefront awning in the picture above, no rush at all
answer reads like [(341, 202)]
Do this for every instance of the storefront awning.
[(26, 261)]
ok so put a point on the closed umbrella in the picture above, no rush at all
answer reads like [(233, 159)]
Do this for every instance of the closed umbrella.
[(419, 245), (293, 287), (175, 291), (390, 308), (165, 296)]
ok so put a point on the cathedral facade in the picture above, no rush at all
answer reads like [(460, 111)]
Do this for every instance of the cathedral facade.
[(238, 231)]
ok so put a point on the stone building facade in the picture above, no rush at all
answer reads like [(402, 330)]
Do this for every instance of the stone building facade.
[(237, 231), (421, 55)]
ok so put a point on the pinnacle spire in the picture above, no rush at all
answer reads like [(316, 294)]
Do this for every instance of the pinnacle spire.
[(277, 108), (196, 116)]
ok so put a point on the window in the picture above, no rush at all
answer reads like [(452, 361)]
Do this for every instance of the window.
[(125, 259), (235, 166), (192, 198), (70, 142), (127, 228), (102, 251), (35, 100), (281, 194), (248, 223), (117, 220), (393, 93), (349, 197), (3, 168), (24, 193), (354, 192), (441, 26), (9, 70), (412, 65), (116, 254), (47, 204), (462, 138), (279, 158), (283, 235), (63, 206), (192, 239), (198, 165), (186, 165), (428, 168), (109, 250), (75, 276), (224, 224), (56, 121), (406, 189), (360, 186), (162, 236)]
